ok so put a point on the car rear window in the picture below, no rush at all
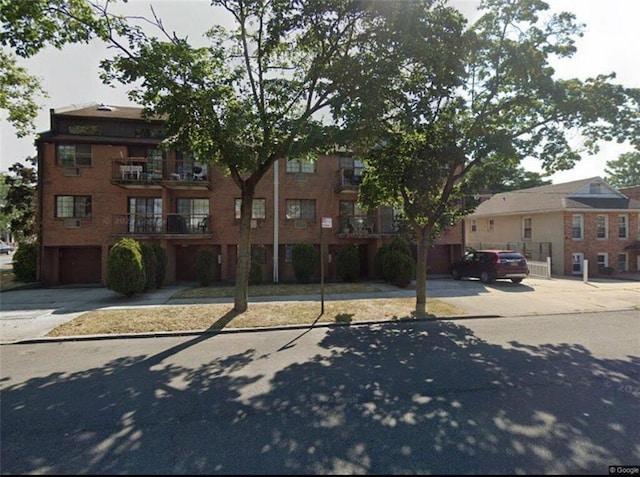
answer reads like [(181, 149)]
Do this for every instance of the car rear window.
[(511, 256)]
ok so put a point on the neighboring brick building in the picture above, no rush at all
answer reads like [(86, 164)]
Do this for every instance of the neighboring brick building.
[(585, 219), (102, 176)]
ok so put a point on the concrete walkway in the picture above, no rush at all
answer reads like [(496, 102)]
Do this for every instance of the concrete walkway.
[(30, 314)]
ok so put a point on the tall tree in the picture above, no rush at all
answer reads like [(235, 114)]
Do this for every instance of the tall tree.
[(19, 205), (253, 95), (27, 27), (447, 99), (624, 171)]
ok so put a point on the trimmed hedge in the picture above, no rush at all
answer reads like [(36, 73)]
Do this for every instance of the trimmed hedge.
[(305, 259), (125, 268), (205, 266), (25, 262), (150, 265), (161, 263), (348, 263)]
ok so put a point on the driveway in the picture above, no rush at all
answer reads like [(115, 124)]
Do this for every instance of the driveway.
[(32, 313)]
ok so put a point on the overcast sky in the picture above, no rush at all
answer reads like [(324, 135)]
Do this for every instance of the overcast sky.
[(70, 76)]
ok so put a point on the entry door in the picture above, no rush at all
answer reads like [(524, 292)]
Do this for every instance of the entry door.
[(577, 260)]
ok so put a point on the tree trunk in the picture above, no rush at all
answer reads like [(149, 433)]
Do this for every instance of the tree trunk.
[(421, 272), (244, 251)]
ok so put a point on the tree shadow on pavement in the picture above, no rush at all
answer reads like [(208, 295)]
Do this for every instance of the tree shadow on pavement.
[(421, 397)]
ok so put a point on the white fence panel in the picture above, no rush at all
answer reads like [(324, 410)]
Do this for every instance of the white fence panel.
[(540, 269)]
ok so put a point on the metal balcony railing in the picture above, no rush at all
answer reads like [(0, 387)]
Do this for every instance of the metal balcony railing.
[(365, 226), (149, 170), (162, 224)]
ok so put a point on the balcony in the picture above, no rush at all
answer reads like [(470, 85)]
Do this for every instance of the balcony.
[(349, 179), (163, 225), (365, 226), (147, 173)]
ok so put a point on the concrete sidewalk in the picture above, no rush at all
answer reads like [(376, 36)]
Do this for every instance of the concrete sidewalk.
[(31, 313)]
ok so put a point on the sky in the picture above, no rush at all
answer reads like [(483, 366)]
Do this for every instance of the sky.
[(70, 76)]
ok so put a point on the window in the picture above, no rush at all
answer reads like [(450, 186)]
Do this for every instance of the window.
[(623, 226), (350, 208), (73, 206), (288, 254), (351, 170), (300, 209), (622, 262), (153, 163), (74, 154), (526, 227), (595, 188), (490, 224), (258, 210), (301, 166), (603, 261), (85, 129), (474, 225), (602, 227), (195, 212), (577, 226), (145, 215)]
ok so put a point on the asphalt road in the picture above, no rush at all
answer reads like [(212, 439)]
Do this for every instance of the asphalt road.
[(545, 394)]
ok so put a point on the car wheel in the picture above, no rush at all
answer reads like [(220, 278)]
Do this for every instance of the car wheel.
[(485, 277), (455, 274), (516, 280)]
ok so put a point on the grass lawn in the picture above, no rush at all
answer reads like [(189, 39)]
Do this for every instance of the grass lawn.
[(202, 317)]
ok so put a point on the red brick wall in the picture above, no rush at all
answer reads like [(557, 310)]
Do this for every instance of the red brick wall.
[(110, 200), (591, 246)]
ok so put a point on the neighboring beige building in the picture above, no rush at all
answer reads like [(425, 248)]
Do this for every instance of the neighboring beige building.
[(571, 222)]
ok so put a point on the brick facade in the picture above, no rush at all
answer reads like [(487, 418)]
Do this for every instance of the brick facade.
[(101, 177)]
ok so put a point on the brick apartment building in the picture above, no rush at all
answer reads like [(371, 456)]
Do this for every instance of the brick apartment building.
[(102, 176)]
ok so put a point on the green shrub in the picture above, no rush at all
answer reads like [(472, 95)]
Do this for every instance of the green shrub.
[(348, 263), (255, 273), (161, 264), (150, 265), (305, 259), (377, 262), (125, 268), (398, 267), (387, 265), (25, 262), (205, 266)]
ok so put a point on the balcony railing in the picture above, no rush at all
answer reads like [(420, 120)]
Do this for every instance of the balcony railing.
[(141, 171), (365, 226), (162, 224)]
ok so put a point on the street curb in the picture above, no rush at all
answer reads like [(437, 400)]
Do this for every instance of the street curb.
[(164, 334)]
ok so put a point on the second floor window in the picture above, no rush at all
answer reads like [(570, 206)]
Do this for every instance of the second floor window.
[(602, 227), (258, 210), (74, 154), (623, 226), (300, 209), (301, 166), (73, 206), (527, 228), (577, 226)]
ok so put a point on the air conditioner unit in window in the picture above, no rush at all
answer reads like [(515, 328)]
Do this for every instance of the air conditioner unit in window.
[(300, 224), (301, 177), (72, 223), (72, 171)]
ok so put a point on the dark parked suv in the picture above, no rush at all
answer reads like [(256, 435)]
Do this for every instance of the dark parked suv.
[(489, 265)]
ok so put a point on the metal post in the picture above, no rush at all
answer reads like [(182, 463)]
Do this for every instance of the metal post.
[(322, 270)]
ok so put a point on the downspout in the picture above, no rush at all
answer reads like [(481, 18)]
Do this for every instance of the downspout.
[(276, 205)]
